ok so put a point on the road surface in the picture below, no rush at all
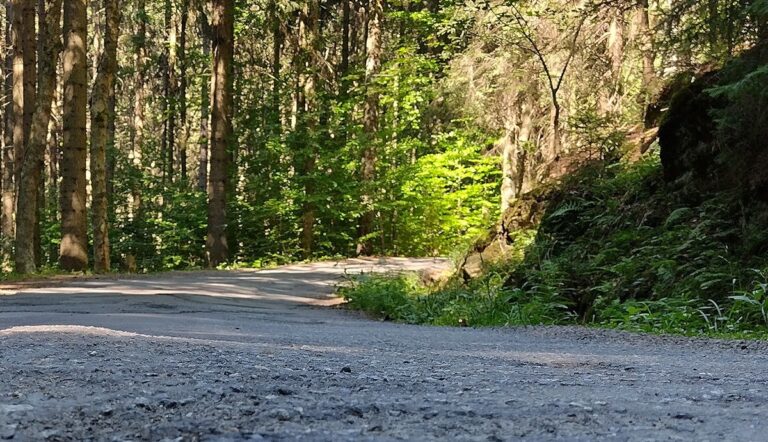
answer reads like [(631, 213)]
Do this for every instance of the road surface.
[(245, 355)]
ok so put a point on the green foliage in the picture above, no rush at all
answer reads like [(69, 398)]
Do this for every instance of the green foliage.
[(445, 199), (617, 249), (486, 302)]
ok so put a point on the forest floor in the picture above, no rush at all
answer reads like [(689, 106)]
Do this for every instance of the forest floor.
[(258, 355)]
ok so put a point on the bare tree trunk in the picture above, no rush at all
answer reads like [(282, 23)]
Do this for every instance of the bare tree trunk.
[(305, 120), (182, 94), (515, 145), (205, 104), (103, 94), (556, 134), (17, 39), (29, 183), (277, 48), (73, 253), (139, 84), (647, 50), (28, 49), (137, 127), (610, 100), (370, 125), (169, 90), (345, 16), (7, 224), (221, 128)]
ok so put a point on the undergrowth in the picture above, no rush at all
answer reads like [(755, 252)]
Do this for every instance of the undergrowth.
[(618, 248)]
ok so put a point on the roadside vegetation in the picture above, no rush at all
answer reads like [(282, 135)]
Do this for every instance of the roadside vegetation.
[(619, 249)]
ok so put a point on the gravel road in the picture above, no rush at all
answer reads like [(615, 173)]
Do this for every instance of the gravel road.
[(231, 356)]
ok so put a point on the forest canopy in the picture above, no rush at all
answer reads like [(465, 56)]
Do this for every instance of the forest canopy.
[(174, 134)]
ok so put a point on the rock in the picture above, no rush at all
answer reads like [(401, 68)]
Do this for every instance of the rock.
[(354, 411), (281, 414), (346, 370), (524, 214), (7, 431), (284, 391), (698, 152)]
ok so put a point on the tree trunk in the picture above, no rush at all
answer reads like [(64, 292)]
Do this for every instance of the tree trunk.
[(17, 40), (221, 128), (205, 104), (139, 55), (370, 125), (277, 48), (103, 94), (182, 93), (7, 224), (28, 49), (169, 91), (647, 50), (29, 183), (515, 145), (73, 253), (610, 99), (305, 120), (344, 66)]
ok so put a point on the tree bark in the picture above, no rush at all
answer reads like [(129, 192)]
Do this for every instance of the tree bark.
[(73, 252), (277, 48), (647, 50), (344, 66), (221, 128), (305, 121), (370, 125), (17, 97), (7, 223), (169, 91), (515, 145), (137, 127), (28, 49), (103, 94), (182, 91), (29, 183), (205, 104), (610, 99)]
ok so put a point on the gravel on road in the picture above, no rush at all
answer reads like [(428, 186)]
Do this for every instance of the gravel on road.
[(247, 355)]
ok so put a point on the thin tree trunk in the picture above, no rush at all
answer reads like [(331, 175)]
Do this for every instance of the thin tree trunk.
[(610, 100), (103, 94), (17, 39), (221, 128), (137, 127), (205, 104), (28, 48), (370, 125), (73, 254), (306, 109), (182, 93), (7, 224), (29, 184), (139, 98), (166, 141), (344, 67), (277, 48), (647, 50)]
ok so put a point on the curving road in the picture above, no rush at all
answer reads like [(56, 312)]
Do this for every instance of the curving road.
[(245, 355)]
